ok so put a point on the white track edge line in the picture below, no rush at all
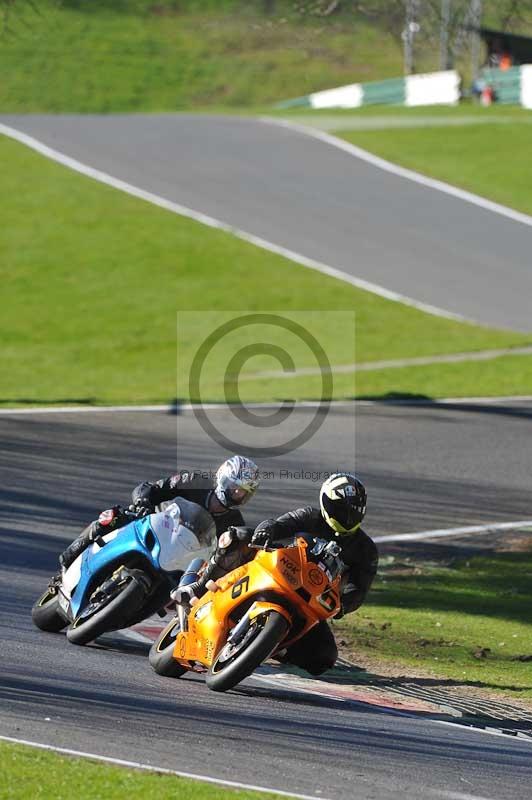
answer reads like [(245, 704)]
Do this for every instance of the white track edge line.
[(440, 533), (167, 409), (161, 770), (460, 796), (205, 219), (392, 363), (180, 407), (403, 172)]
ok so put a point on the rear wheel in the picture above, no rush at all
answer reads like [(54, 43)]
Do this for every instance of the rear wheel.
[(112, 612), (235, 662), (161, 655), (46, 615)]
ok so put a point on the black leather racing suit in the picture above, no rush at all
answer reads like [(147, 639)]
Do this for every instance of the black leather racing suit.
[(315, 652), (358, 551), (193, 486)]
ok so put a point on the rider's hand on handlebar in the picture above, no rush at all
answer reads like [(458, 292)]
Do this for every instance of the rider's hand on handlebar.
[(261, 539), (143, 510), (185, 595)]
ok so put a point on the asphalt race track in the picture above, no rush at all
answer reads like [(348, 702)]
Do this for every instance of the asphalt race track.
[(424, 467), (314, 199)]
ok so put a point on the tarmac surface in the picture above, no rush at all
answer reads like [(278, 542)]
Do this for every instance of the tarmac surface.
[(314, 199), (424, 467)]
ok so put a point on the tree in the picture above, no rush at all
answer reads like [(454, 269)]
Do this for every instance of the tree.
[(446, 24)]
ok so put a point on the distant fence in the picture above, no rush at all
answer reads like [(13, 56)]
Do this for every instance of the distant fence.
[(414, 90)]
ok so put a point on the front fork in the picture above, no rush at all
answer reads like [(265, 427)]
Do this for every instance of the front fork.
[(256, 610), (182, 617), (189, 576)]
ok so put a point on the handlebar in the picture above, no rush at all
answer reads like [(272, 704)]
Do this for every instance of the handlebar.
[(268, 548), (136, 511)]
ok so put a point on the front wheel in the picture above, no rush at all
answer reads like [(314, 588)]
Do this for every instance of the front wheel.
[(235, 662), (46, 614), (161, 655), (110, 613)]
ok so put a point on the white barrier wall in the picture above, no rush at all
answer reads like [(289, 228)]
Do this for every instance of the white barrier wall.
[(433, 88), (415, 90), (344, 97), (526, 85)]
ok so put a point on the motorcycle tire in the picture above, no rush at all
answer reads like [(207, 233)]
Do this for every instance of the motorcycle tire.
[(161, 656), (225, 673), (113, 615), (46, 615)]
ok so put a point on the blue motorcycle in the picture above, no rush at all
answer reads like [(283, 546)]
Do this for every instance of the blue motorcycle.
[(127, 574)]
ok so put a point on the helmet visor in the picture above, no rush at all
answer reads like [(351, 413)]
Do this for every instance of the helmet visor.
[(343, 517), (348, 516), (237, 494)]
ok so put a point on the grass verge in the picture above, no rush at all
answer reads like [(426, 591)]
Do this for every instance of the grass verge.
[(468, 621), (140, 55), (29, 772), (465, 155), (506, 376), (147, 55), (92, 279)]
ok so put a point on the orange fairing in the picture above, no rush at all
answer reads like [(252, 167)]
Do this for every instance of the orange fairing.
[(285, 580), (261, 607)]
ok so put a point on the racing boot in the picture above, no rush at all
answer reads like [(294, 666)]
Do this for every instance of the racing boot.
[(108, 520), (86, 537)]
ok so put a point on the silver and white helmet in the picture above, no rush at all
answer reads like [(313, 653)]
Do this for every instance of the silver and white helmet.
[(236, 481)]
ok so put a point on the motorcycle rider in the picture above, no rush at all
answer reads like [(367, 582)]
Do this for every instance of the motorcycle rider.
[(342, 509), (235, 482)]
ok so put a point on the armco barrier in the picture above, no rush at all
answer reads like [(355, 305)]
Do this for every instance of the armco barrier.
[(506, 83), (430, 89), (391, 92), (513, 86)]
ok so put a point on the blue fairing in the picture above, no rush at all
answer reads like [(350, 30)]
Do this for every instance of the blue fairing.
[(130, 539)]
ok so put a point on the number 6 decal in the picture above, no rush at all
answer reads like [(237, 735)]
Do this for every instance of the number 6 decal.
[(240, 587)]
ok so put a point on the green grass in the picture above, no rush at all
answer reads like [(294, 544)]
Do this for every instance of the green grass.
[(441, 619), (92, 278), (100, 57), (505, 376), (466, 108), (26, 772), (468, 156), (164, 55)]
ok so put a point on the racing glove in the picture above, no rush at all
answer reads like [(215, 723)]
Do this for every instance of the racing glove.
[(192, 592), (144, 510), (142, 494), (186, 595), (261, 538)]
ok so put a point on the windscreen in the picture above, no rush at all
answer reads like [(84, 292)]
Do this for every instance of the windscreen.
[(197, 519)]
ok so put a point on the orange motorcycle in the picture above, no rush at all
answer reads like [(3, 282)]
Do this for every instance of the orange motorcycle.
[(252, 613)]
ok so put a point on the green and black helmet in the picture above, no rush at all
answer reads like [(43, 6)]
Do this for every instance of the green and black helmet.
[(343, 502)]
